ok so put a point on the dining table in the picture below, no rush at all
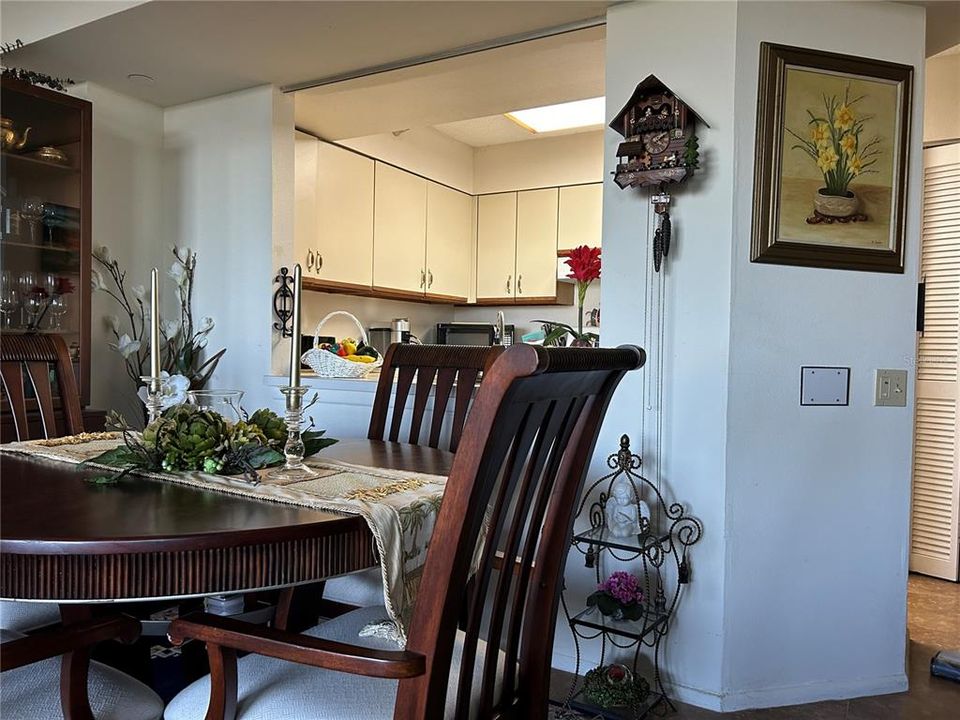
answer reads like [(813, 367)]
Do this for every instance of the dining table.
[(82, 544)]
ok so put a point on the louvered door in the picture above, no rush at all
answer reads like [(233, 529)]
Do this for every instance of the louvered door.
[(936, 469)]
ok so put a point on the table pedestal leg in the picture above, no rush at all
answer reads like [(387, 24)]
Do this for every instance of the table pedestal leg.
[(74, 670)]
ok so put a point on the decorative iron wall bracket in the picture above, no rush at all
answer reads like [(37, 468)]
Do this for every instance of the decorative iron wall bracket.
[(283, 303)]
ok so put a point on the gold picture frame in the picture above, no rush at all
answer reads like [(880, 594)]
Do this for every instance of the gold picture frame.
[(830, 173)]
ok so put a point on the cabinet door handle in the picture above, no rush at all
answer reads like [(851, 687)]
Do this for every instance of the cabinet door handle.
[(319, 261), (423, 278), (309, 259), (520, 284), (509, 277), (429, 279)]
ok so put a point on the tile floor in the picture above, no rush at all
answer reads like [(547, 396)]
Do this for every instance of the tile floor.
[(934, 622)]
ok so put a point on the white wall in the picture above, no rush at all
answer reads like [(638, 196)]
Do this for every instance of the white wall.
[(941, 117), (424, 151), (227, 169), (697, 277), (798, 590), (818, 511), (127, 190), (544, 162)]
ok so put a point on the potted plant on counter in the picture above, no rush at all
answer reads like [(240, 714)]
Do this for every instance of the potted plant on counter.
[(584, 264)]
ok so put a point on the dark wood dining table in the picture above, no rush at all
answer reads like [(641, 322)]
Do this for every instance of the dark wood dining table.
[(79, 544)]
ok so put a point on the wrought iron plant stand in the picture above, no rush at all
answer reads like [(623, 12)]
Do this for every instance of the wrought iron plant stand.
[(659, 553)]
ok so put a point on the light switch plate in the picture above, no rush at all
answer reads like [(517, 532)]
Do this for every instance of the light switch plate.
[(824, 385), (891, 388)]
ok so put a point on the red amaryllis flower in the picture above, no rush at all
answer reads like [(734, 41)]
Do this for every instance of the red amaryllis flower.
[(64, 286), (584, 264)]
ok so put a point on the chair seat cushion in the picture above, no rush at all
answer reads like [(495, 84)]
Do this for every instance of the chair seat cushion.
[(32, 692), (363, 589), (271, 689), (23, 616)]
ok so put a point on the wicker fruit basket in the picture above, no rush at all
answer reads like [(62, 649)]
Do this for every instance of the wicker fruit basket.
[(325, 364)]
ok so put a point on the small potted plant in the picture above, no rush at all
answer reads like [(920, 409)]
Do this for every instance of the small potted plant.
[(613, 686), (619, 597), (584, 264)]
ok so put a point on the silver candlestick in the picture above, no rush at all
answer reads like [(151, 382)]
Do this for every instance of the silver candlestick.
[(154, 397), (293, 469)]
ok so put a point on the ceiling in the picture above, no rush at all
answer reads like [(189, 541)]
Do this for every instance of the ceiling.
[(199, 49), (550, 70)]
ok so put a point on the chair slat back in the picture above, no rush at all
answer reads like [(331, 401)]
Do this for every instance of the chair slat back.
[(514, 485), (447, 370), (25, 365)]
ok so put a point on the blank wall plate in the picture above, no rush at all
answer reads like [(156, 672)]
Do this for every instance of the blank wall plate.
[(891, 388), (824, 385)]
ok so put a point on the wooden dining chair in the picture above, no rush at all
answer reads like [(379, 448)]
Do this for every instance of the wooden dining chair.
[(25, 369), (514, 484), (438, 369), (25, 364), (448, 373)]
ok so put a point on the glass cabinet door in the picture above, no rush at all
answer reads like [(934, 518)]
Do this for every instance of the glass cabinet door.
[(45, 218)]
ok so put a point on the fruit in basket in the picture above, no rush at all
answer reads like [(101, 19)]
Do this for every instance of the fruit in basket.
[(360, 358), (368, 351)]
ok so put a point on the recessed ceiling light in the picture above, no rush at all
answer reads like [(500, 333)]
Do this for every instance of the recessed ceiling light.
[(565, 116), (140, 79)]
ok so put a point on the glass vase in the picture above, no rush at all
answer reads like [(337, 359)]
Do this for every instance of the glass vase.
[(224, 402)]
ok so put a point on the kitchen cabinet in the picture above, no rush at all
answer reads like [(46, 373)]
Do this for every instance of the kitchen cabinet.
[(496, 247), (399, 231), (448, 243), (580, 217), (536, 245), (333, 214)]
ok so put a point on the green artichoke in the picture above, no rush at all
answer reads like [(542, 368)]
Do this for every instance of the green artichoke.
[(271, 425), (187, 437), (244, 433)]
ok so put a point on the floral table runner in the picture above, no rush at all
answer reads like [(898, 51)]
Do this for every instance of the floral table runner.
[(399, 507)]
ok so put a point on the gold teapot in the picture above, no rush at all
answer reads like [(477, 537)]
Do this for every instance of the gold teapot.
[(9, 137)]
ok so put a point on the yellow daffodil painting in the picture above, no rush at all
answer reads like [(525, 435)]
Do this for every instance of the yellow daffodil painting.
[(836, 142), (831, 166)]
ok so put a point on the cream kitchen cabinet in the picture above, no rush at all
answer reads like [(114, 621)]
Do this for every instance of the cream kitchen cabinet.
[(399, 231), (536, 245), (580, 217), (448, 244), (496, 247), (333, 214)]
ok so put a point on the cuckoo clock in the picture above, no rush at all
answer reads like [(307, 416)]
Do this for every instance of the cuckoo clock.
[(659, 147)]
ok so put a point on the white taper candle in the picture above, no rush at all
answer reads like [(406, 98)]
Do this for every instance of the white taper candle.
[(155, 329)]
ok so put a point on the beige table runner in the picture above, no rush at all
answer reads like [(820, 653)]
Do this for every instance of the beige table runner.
[(400, 508)]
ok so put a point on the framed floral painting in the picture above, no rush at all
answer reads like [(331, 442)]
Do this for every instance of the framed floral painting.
[(830, 175)]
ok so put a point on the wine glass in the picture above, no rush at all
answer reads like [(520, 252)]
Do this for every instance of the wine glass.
[(9, 304), (57, 309), (33, 305), (31, 210), (49, 283), (26, 283)]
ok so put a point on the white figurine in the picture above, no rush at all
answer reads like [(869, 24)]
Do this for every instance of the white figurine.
[(621, 511)]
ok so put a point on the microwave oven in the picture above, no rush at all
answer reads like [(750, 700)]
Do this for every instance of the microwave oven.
[(464, 333)]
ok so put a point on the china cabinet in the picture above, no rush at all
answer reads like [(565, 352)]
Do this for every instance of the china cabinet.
[(45, 223)]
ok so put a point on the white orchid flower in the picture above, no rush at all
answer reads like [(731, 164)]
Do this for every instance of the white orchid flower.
[(126, 346), (113, 322), (173, 390), (139, 290), (96, 280), (103, 254), (183, 254), (178, 273), (205, 325), (171, 328)]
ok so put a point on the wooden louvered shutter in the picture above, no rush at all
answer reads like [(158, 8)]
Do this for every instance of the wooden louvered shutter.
[(936, 465)]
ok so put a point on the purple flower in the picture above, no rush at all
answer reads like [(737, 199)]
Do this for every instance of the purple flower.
[(622, 587)]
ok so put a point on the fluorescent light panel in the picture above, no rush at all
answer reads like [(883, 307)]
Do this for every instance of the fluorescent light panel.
[(565, 116)]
